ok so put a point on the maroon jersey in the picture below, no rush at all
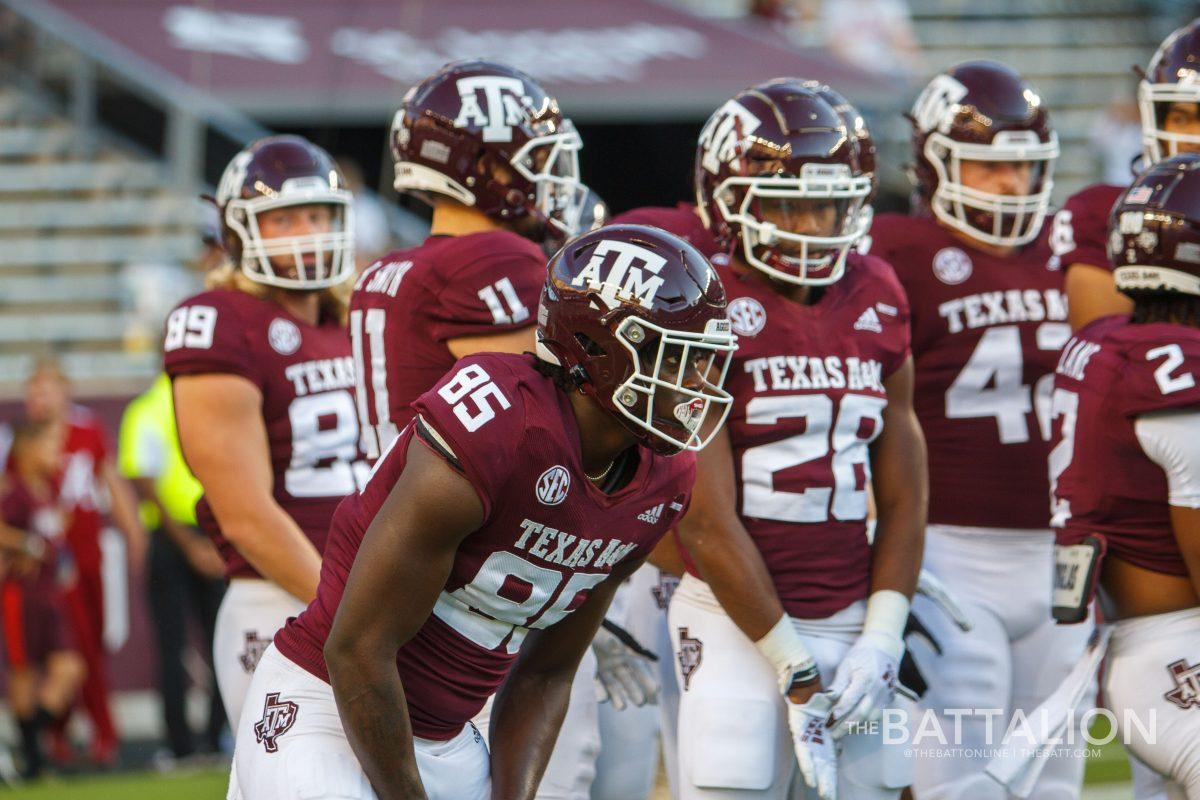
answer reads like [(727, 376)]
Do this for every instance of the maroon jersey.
[(1080, 228), (986, 332), (807, 383), (306, 376), (548, 536), (682, 220), (41, 517), (410, 302), (1103, 483)]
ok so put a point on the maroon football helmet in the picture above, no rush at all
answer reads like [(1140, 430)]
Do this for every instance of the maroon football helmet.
[(489, 136), (775, 150), (1171, 78), (1154, 229), (637, 316), (277, 172), (856, 123), (982, 111)]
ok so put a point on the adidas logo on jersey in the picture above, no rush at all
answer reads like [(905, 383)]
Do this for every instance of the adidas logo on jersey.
[(652, 515), (868, 321)]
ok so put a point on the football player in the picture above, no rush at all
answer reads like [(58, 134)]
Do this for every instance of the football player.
[(783, 594), (988, 321), (1169, 101), (485, 549), (1125, 473), (489, 150), (263, 385), (651, 592)]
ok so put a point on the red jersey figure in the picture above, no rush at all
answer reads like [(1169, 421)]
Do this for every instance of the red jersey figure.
[(45, 672), (263, 382), (1126, 471), (522, 493), (989, 319)]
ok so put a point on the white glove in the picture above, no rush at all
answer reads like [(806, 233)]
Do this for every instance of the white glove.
[(813, 742), (625, 673), (930, 586), (865, 681)]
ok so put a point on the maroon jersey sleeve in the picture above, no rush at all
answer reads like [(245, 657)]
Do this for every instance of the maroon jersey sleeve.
[(1162, 369), (206, 333), (1080, 228), (475, 417), (486, 288)]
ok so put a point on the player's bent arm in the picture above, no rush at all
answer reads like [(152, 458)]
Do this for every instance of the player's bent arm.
[(530, 707), (411, 543), (225, 445), (666, 556), (1169, 439), (900, 481), (1091, 294), (519, 341), (721, 548)]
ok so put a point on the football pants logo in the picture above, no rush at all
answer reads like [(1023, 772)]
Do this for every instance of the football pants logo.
[(254, 649), (935, 108), (278, 717), (506, 102), (691, 653), (1186, 693), (552, 485), (747, 316), (632, 273), (723, 136)]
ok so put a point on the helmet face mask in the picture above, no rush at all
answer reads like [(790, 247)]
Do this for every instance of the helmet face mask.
[(551, 164), (287, 172), (637, 316), (1170, 79), (1004, 220)]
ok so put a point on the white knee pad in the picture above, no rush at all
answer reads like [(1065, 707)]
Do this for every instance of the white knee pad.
[(732, 743)]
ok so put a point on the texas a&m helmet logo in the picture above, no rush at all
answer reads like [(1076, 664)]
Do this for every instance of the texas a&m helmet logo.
[(278, 717), (722, 139), (934, 110), (691, 653), (1186, 693), (505, 104), (623, 272)]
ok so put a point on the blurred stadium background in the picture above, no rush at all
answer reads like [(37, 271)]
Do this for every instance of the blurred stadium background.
[(115, 115)]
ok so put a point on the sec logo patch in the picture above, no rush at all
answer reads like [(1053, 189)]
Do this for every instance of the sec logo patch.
[(747, 316), (951, 265), (284, 336), (552, 485)]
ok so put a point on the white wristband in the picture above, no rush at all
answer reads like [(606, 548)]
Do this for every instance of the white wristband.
[(887, 614), (783, 647)]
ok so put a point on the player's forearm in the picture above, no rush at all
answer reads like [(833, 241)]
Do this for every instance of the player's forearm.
[(124, 507), (1186, 524), (526, 718), (731, 565), (374, 714), (274, 545)]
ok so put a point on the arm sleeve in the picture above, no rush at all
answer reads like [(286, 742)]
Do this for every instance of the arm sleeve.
[(1169, 439), (206, 334), (474, 418), (1080, 230), (492, 293)]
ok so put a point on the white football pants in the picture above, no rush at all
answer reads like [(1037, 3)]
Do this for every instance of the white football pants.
[(734, 742), (251, 612), (1015, 656), (291, 746), (1154, 669)]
